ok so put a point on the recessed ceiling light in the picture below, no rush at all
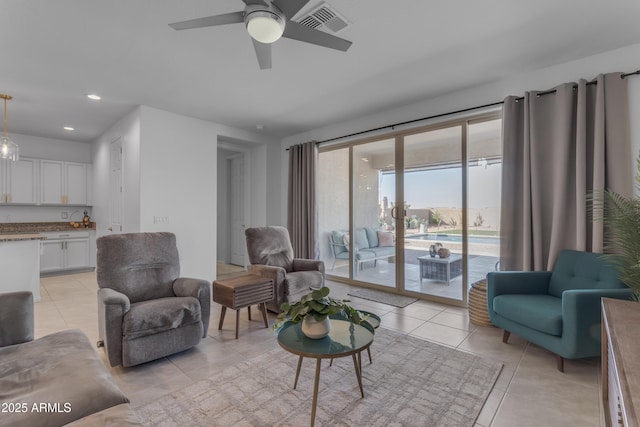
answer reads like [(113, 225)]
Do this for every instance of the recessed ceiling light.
[(69, 128), (259, 127), (94, 97)]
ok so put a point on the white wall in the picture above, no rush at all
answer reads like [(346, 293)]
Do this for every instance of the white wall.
[(258, 185), (624, 59), (170, 170), (275, 209), (127, 128), (222, 216), (52, 149)]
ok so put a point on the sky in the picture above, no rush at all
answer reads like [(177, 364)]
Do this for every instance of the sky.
[(443, 187)]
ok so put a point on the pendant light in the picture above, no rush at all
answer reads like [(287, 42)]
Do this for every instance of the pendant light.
[(8, 148)]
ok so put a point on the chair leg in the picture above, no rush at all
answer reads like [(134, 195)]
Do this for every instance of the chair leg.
[(222, 313), (505, 336), (560, 363), (263, 308), (237, 321), (249, 310)]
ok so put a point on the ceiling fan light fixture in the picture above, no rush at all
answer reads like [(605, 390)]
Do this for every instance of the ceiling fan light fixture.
[(264, 26)]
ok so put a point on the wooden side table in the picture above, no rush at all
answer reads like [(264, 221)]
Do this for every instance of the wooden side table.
[(240, 292)]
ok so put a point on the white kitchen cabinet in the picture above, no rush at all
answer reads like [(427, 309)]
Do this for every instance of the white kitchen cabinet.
[(52, 256), (19, 181), (65, 251), (63, 183)]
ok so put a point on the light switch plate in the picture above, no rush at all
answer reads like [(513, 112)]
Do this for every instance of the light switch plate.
[(161, 219)]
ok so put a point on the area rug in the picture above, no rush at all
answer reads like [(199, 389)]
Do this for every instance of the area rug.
[(383, 297), (411, 382)]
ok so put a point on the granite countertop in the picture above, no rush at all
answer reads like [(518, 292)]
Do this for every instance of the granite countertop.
[(40, 227), (18, 237)]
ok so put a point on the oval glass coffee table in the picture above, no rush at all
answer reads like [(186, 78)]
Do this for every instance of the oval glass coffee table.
[(345, 339)]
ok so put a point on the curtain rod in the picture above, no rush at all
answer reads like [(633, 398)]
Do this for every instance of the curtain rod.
[(464, 110), (593, 82)]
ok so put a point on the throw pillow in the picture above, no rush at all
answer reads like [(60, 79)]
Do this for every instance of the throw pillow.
[(345, 240), (385, 238)]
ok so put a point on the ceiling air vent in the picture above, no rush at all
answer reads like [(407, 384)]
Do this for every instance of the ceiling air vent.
[(324, 17)]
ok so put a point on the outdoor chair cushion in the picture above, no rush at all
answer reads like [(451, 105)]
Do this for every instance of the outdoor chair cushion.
[(338, 240), (361, 241), (378, 252), (372, 236)]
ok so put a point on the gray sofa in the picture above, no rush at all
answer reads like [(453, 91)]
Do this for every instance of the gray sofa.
[(55, 380), (366, 247)]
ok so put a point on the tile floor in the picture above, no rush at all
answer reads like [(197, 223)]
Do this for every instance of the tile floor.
[(529, 392)]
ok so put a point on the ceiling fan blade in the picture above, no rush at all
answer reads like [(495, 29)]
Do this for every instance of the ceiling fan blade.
[(250, 2), (290, 7), (299, 32), (263, 53), (209, 21)]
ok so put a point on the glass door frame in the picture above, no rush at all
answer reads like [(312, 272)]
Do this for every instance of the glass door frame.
[(398, 136)]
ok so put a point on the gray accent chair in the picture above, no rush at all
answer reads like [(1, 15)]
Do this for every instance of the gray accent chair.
[(145, 311), (271, 256)]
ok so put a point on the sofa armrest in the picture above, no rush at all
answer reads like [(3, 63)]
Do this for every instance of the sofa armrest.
[(301, 264), (582, 312), (277, 274), (581, 308), (16, 318), (517, 282), (200, 289), (112, 306)]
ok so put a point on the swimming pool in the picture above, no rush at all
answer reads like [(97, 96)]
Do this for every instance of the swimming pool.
[(443, 237)]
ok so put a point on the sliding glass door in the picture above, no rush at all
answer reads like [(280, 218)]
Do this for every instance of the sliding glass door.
[(417, 212), (433, 245), (374, 228)]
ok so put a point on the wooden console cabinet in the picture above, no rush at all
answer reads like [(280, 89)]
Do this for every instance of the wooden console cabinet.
[(621, 362)]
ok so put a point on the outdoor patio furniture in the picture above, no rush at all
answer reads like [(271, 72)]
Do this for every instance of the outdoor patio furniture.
[(367, 246), (440, 269)]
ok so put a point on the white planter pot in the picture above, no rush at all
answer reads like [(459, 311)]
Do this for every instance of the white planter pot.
[(314, 329)]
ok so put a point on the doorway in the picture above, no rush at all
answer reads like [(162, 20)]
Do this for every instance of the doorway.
[(233, 204)]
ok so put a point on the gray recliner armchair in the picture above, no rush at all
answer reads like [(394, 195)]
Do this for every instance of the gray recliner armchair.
[(145, 311), (271, 256)]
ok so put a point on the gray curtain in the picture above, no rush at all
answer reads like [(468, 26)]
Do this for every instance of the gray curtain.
[(302, 218), (557, 148)]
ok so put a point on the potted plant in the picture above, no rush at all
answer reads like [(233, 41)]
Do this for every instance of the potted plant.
[(313, 310), (622, 238)]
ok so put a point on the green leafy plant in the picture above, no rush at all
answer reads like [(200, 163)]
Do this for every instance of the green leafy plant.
[(319, 305), (621, 217), (436, 217)]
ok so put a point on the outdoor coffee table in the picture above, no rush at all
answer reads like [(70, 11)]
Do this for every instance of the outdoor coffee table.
[(442, 269), (345, 339)]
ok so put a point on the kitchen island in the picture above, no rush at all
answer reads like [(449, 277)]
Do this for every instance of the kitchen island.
[(20, 263)]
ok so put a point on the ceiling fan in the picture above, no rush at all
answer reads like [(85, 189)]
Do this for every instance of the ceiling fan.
[(266, 22)]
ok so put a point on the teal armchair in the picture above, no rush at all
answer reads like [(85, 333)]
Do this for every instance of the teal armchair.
[(558, 310)]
